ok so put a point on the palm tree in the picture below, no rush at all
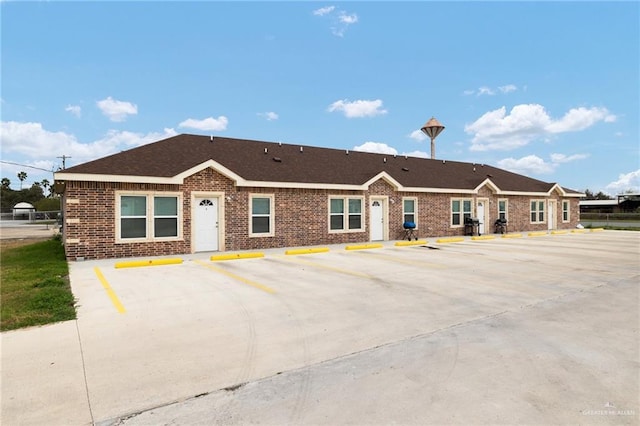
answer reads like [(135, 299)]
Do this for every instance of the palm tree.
[(45, 184), (6, 183), (22, 176)]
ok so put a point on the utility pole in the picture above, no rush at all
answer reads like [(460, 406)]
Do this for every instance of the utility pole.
[(64, 158)]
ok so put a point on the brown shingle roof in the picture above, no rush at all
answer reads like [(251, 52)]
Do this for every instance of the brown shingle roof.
[(306, 164)]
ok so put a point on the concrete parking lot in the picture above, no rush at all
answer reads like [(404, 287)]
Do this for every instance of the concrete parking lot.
[(531, 330)]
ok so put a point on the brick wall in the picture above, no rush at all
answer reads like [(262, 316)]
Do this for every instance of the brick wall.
[(300, 216)]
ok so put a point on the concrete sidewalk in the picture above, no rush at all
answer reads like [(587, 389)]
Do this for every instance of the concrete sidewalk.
[(43, 377)]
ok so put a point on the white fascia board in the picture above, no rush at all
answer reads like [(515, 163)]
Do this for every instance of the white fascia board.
[(88, 177), (437, 190), (299, 185)]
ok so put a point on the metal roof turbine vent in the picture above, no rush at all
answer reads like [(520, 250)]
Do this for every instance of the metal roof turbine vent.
[(432, 128)]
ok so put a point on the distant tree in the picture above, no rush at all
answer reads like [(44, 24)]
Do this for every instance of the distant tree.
[(48, 204), (602, 196), (6, 183), (34, 193), (8, 198), (589, 195), (22, 176)]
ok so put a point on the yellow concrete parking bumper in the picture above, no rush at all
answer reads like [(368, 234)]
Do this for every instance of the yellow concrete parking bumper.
[(363, 246), (483, 237), (512, 236), (153, 262), (410, 243), (537, 234), (307, 250), (235, 256), (450, 240)]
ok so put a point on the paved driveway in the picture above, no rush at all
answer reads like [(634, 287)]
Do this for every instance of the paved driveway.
[(537, 330)]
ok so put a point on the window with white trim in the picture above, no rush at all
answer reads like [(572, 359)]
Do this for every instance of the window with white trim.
[(537, 211), (502, 209), (148, 216), (345, 214), (460, 210), (410, 210), (565, 210), (261, 220)]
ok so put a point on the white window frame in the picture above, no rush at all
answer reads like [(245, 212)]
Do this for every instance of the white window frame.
[(462, 211), (566, 211), (149, 216), (415, 210), (506, 208), (271, 215), (156, 216), (345, 214), (538, 203)]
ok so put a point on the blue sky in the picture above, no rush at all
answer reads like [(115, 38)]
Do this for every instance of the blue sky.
[(546, 89)]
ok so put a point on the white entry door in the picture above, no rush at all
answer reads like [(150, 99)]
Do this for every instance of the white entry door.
[(206, 224), (481, 217), (551, 215), (376, 219)]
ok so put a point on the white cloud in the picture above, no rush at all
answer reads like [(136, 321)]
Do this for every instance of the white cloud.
[(577, 119), (358, 108), (340, 19), (625, 182), (216, 124), (419, 154), (270, 116), (495, 130), (117, 110), (376, 147), (417, 135), (31, 140), (74, 109), (532, 164), (383, 148), (561, 158), (508, 88), (324, 10), (485, 91), (348, 19)]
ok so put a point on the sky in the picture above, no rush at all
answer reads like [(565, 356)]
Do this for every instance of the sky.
[(547, 89)]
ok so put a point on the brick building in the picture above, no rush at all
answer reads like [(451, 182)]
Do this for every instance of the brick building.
[(194, 193)]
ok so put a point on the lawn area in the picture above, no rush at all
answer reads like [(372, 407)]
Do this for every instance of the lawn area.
[(35, 285)]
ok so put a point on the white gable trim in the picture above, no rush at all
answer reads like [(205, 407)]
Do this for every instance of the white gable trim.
[(487, 182), (386, 177)]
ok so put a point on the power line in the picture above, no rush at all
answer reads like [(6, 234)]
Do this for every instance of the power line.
[(24, 165)]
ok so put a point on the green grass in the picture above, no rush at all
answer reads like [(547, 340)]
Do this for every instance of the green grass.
[(35, 286)]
